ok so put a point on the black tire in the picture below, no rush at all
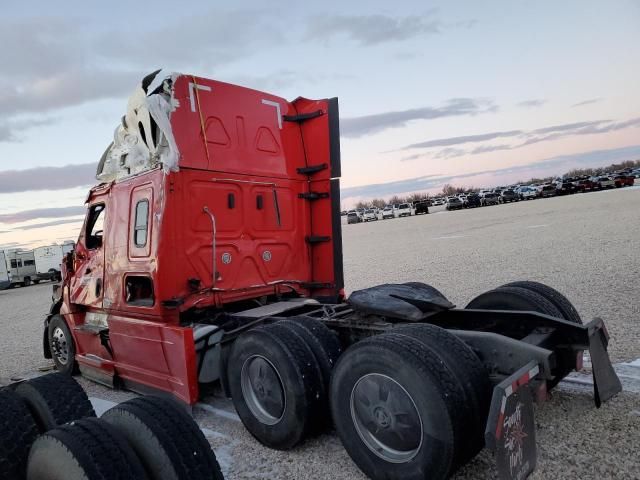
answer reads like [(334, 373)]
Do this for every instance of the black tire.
[(165, 438), (469, 371), (328, 340), (514, 298), (427, 287), (36, 282), (282, 417), (88, 449), (26, 282), (54, 400), (561, 302), (566, 360), (17, 434), (423, 387), (62, 346)]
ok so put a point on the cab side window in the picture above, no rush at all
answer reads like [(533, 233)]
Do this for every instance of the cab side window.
[(140, 227), (95, 225)]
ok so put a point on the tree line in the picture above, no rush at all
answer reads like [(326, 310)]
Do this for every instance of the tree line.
[(449, 189)]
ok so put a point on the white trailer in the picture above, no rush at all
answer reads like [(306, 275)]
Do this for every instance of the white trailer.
[(22, 267), (48, 262), (4, 272)]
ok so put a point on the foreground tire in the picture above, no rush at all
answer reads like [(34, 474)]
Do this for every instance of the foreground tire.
[(561, 302), (17, 434), (62, 346), (165, 438), (470, 373), (275, 384), (397, 409), (86, 450), (54, 400)]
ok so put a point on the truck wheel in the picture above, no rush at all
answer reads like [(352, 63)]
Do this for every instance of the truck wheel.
[(469, 371), (514, 298), (36, 282), (17, 434), (55, 399), (326, 346), (561, 302), (566, 361), (165, 438), (88, 449), (26, 282), (62, 346), (275, 383), (398, 409)]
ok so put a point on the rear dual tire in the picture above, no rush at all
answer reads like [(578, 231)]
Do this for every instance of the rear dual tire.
[(401, 407), (279, 376)]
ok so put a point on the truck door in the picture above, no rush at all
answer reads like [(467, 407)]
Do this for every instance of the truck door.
[(87, 282)]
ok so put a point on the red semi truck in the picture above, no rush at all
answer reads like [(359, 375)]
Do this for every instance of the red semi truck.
[(211, 253)]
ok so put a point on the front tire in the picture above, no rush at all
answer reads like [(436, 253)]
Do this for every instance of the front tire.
[(62, 346)]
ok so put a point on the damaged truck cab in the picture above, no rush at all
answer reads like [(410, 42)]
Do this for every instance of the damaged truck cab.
[(212, 252)]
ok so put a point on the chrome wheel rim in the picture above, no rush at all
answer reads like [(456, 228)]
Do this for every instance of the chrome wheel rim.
[(60, 346), (263, 390), (386, 418)]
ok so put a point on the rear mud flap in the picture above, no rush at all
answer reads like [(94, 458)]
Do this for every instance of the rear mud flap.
[(606, 383), (510, 430)]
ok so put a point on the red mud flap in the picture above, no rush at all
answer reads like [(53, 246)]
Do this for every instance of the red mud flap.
[(510, 430), (605, 380)]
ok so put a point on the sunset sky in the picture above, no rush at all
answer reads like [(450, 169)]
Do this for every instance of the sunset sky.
[(469, 93)]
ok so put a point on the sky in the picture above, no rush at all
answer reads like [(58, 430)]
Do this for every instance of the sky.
[(466, 92)]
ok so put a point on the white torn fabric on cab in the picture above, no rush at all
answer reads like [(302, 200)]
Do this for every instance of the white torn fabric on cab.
[(144, 139)]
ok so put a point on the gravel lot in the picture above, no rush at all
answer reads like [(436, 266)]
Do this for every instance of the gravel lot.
[(584, 245)]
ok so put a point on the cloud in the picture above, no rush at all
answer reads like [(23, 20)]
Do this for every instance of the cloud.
[(51, 224), (587, 102), (368, 30), (529, 137), (26, 215), (47, 178), (532, 103), (10, 131), (550, 166), (63, 63), (369, 124), (445, 142)]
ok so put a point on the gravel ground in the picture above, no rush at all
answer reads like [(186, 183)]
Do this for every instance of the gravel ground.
[(584, 245)]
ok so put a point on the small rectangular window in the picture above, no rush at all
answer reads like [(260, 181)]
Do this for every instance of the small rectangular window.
[(141, 223), (28, 263), (139, 291), (14, 264)]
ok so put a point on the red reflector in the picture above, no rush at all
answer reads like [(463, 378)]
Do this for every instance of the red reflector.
[(579, 361)]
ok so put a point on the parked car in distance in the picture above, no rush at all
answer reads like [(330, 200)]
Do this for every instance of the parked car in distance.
[(437, 202), (454, 203), (387, 212), (623, 180), (508, 196), (404, 210), (548, 190), (421, 206), (353, 217), (603, 182), (527, 193), (584, 185), (490, 198), (564, 187), (370, 215), (472, 201)]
